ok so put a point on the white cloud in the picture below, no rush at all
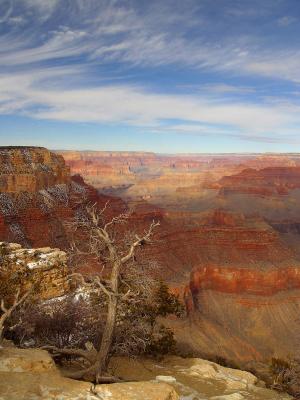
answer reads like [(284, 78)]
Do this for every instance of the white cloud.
[(104, 31), (44, 7), (61, 44), (286, 21), (282, 65), (6, 8), (98, 32), (30, 94), (16, 20), (225, 88)]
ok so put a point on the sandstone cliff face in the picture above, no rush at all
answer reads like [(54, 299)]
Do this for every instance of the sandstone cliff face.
[(38, 195), (242, 327), (244, 281), (43, 266), (229, 241), (217, 238), (29, 169), (264, 182)]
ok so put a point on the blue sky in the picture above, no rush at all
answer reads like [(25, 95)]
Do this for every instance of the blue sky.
[(164, 76)]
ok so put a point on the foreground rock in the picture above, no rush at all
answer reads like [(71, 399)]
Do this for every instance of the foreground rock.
[(44, 265), (32, 375), (197, 379)]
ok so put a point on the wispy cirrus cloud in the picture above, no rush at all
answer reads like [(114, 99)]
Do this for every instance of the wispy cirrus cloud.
[(106, 31), (35, 96), (286, 20), (58, 58)]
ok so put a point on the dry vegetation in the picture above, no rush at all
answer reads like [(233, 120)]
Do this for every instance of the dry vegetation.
[(114, 311)]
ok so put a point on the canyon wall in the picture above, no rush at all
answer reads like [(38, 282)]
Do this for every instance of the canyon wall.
[(38, 196), (26, 169), (228, 243)]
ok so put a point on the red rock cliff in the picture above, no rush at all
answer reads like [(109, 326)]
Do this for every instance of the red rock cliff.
[(265, 182), (242, 314), (29, 169), (256, 282), (38, 195)]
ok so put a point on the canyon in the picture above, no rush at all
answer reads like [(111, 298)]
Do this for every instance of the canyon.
[(228, 242)]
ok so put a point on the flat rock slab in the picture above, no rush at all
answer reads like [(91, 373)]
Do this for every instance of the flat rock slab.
[(22, 360), (51, 386), (32, 375)]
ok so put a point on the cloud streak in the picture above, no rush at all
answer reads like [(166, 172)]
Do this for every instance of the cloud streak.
[(106, 31), (55, 54), (31, 95)]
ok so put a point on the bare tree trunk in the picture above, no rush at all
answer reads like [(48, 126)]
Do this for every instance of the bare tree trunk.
[(100, 235), (102, 357), (7, 312)]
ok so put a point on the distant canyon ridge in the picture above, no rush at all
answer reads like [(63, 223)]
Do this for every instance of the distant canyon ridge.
[(229, 240)]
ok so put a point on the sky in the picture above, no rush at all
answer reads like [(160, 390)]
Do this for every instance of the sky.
[(167, 76)]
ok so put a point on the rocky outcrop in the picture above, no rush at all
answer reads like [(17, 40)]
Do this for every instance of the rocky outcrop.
[(38, 196), (244, 281), (264, 182), (43, 266), (29, 169), (221, 239), (31, 374), (24, 360), (242, 314), (195, 378)]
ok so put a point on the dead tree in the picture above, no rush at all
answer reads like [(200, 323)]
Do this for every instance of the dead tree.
[(102, 244), (7, 311)]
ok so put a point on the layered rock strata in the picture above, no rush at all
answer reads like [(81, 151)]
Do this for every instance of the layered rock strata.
[(38, 196), (233, 220), (29, 169), (264, 182), (45, 267)]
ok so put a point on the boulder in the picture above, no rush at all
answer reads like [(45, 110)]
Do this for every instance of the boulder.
[(234, 396), (23, 360), (234, 379), (30, 374)]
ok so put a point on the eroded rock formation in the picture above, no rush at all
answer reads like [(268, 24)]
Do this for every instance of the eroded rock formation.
[(28, 169), (263, 182), (43, 266), (38, 195), (195, 378), (229, 238)]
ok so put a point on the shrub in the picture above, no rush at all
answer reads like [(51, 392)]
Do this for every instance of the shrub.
[(286, 376), (162, 342)]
